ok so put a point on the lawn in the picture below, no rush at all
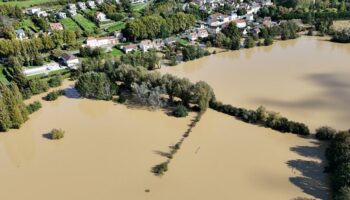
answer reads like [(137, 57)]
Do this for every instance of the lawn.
[(27, 24), (138, 7), (86, 24), (2, 76), (27, 3), (69, 24), (116, 27), (116, 52), (182, 41)]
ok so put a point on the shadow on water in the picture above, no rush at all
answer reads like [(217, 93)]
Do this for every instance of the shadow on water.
[(72, 93), (312, 179)]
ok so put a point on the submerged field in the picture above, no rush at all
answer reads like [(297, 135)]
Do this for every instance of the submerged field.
[(109, 149), (304, 79)]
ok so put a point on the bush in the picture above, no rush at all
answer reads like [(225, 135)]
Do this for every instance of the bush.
[(122, 98), (95, 85), (342, 36), (180, 111), (160, 169), (35, 106), (268, 41), (57, 134), (55, 81), (53, 95), (325, 133)]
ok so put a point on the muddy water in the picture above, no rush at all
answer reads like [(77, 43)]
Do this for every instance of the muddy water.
[(109, 149), (306, 79)]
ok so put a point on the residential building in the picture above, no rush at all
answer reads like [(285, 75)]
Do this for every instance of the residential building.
[(145, 45), (61, 15), (72, 12), (81, 5), (70, 60), (158, 44), (91, 4), (45, 69), (129, 48), (240, 23), (202, 33), (118, 35), (137, 1), (33, 11), (101, 41), (101, 17), (249, 17), (267, 22), (217, 19), (213, 30), (41, 14), (99, 2), (193, 36), (72, 6), (170, 40), (20, 34), (56, 26)]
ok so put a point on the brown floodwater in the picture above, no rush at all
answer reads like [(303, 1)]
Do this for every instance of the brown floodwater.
[(306, 79), (109, 149)]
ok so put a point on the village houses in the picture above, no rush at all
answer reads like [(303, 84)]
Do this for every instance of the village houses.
[(70, 60), (100, 16), (104, 42), (20, 34), (91, 4), (129, 48), (145, 45), (81, 5)]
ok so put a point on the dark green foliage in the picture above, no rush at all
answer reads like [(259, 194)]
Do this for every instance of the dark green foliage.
[(37, 86), (33, 107), (342, 36), (91, 52), (268, 41), (148, 60), (325, 133), (180, 111), (122, 98), (261, 116), (192, 52), (53, 95), (249, 42), (55, 81), (338, 155), (289, 30), (13, 111), (95, 85), (160, 169)]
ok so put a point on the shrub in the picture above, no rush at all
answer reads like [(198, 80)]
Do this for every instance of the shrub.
[(180, 111), (53, 95), (160, 169), (57, 134), (122, 98), (95, 85), (35, 106), (55, 81), (325, 133)]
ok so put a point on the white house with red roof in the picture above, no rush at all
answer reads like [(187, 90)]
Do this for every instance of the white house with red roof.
[(145, 45), (94, 42)]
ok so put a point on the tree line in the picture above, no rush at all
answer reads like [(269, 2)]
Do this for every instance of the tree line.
[(262, 117), (156, 26)]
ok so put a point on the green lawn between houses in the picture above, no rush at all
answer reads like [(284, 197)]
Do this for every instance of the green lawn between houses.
[(27, 3), (2, 76), (69, 24), (86, 24), (116, 27), (27, 24)]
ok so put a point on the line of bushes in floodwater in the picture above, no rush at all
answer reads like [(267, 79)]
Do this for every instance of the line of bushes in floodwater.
[(262, 117)]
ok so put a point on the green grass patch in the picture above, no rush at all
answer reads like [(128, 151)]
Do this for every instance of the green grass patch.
[(24, 4), (182, 41), (2, 76), (138, 7), (116, 52), (27, 24), (116, 27), (86, 24), (69, 24)]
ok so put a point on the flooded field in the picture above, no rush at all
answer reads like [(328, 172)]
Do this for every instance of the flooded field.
[(306, 79), (109, 149)]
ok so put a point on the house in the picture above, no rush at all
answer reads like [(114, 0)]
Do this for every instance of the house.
[(101, 41), (267, 22), (137, 1), (100, 16), (81, 5), (240, 23), (118, 35), (158, 43), (99, 2), (41, 14), (145, 45), (72, 6), (72, 12), (70, 60), (56, 26), (129, 48), (33, 11), (192, 36), (202, 33), (61, 15), (249, 17), (213, 30), (91, 4), (170, 40), (20, 34), (217, 19)]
